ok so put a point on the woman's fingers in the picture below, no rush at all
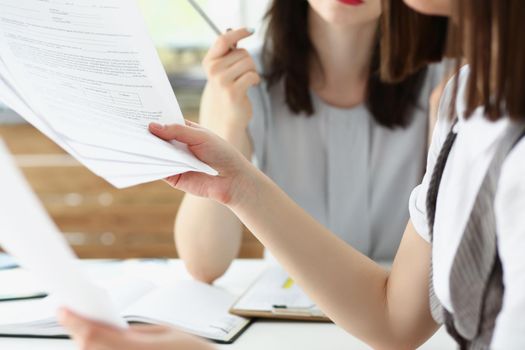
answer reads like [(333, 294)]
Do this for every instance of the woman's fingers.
[(190, 135), (218, 65), (225, 72), (227, 41), (95, 336), (148, 329), (173, 180), (192, 124), (90, 334), (236, 71), (75, 323), (247, 81)]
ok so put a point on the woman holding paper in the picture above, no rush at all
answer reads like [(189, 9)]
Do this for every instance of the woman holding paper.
[(463, 248), (344, 145)]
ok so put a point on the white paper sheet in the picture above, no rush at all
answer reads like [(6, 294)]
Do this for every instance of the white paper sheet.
[(90, 74), (28, 233), (120, 173), (10, 96)]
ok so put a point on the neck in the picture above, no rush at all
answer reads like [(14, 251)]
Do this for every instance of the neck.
[(340, 71)]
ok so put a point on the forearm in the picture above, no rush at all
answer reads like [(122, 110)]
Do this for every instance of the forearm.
[(208, 237), (354, 291), (236, 135)]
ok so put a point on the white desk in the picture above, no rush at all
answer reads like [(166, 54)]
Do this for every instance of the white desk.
[(261, 335)]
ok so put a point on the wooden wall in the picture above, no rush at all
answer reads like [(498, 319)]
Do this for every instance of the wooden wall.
[(98, 220)]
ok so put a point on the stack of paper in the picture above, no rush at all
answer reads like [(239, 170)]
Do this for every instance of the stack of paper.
[(86, 74), (7, 116)]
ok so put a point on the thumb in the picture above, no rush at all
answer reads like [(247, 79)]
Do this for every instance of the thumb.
[(188, 134), (87, 330)]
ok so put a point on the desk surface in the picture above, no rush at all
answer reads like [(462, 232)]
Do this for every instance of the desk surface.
[(261, 335)]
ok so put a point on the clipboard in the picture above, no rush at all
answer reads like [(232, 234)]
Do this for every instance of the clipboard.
[(274, 295)]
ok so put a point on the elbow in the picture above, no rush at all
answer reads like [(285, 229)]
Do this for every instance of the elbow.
[(395, 345), (202, 273), (201, 264)]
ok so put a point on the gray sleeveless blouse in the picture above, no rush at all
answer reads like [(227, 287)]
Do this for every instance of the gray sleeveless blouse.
[(351, 174)]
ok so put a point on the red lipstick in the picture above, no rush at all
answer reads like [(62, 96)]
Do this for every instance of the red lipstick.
[(352, 2)]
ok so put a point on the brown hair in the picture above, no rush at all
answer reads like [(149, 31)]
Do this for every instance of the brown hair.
[(409, 40), (288, 52), (491, 34)]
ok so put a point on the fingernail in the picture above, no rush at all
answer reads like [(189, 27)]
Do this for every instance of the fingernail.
[(156, 126), (250, 30)]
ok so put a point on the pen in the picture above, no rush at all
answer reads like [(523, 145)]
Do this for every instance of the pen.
[(203, 14), (305, 311)]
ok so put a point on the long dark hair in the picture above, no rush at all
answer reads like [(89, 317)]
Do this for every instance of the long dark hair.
[(288, 52), (490, 34)]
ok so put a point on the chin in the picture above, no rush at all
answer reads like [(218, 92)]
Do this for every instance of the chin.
[(340, 14), (430, 7)]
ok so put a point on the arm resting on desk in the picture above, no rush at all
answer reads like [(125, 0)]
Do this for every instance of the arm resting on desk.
[(209, 246)]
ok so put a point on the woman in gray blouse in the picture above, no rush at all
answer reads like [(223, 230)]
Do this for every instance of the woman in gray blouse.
[(345, 146)]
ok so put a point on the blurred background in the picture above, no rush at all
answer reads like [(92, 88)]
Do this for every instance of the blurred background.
[(97, 220)]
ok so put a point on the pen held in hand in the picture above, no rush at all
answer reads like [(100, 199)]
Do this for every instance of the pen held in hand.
[(206, 18), (212, 25)]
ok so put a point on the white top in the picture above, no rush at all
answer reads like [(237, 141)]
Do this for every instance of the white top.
[(467, 165), (344, 169)]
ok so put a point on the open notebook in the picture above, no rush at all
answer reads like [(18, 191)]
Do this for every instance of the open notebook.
[(190, 306)]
